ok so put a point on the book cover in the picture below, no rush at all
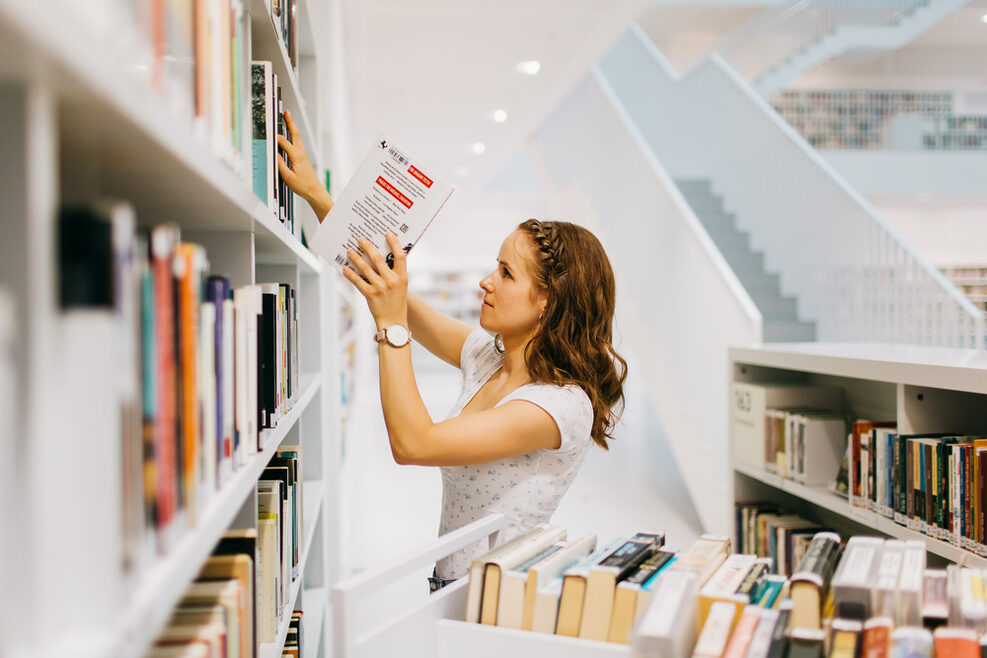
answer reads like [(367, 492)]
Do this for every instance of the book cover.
[(474, 593), (573, 596), (604, 576), (716, 629), (811, 579), (391, 190)]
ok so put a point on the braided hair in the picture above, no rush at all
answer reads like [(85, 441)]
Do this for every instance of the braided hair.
[(573, 343)]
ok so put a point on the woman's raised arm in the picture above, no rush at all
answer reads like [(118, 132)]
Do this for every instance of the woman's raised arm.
[(301, 176), (439, 333)]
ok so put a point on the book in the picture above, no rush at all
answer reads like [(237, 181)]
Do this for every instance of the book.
[(391, 190), (884, 594), (778, 646), (910, 582), (956, 642), (743, 632), (496, 566), (241, 568), (668, 627), (761, 640), (474, 593), (806, 643), (228, 594), (510, 602), (810, 582), (845, 638), (911, 642), (703, 557), (853, 580), (722, 586), (633, 594), (550, 569), (750, 402), (601, 584), (716, 629), (573, 597), (876, 639), (935, 600)]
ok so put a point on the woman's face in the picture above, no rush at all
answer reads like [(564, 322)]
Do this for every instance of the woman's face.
[(512, 301)]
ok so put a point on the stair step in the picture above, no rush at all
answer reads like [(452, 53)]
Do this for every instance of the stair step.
[(731, 240), (776, 309), (789, 332)]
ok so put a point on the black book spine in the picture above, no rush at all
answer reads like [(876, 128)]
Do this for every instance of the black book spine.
[(779, 639)]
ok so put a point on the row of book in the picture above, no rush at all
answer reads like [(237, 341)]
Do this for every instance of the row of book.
[(864, 597), (267, 122), (201, 367), (769, 531), (199, 57), (242, 591), (932, 483)]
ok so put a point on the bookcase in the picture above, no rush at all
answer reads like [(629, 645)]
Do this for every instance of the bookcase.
[(924, 390), (84, 120), (971, 280), (453, 292)]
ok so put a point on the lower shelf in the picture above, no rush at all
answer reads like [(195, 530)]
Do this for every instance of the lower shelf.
[(315, 602), (826, 499), (460, 638)]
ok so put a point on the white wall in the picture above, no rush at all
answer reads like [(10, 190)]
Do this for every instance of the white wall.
[(945, 232)]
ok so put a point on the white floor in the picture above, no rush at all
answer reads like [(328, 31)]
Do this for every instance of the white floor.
[(390, 509)]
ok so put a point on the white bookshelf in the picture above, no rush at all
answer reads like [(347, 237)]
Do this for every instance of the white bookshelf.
[(82, 122), (923, 389)]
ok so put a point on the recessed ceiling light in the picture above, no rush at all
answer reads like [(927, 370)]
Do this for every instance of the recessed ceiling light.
[(479, 148), (529, 67), (500, 116), (984, 18)]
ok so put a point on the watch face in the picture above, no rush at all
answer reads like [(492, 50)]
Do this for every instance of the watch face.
[(397, 335)]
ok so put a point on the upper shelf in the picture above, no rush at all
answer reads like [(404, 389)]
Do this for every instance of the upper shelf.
[(934, 367), (118, 137)]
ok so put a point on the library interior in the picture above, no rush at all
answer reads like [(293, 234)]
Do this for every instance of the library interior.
[(702, 282)]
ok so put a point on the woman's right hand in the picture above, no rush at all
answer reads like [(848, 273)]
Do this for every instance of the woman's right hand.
[(301, 176)]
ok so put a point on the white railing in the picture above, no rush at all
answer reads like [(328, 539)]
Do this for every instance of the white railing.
[(777, 33), (679, 305), (853, 275)]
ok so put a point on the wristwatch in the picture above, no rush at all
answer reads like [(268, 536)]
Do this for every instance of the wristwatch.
[(397, 335)]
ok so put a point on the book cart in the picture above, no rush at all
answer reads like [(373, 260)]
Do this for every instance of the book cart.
[(924, 389), (423, 625), (82, 122)]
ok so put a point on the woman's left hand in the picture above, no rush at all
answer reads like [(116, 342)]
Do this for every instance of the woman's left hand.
[(386, 290)]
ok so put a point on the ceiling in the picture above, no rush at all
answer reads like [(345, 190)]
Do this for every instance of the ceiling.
[(429, 73)]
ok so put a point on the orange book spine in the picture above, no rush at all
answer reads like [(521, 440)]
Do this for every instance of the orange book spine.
[(165, 436), (188, 321)]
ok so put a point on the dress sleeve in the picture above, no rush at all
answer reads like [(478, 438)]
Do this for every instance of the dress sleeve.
[(477, 349), (569, 407)]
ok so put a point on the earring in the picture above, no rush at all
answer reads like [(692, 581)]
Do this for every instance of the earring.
[(499, 343)]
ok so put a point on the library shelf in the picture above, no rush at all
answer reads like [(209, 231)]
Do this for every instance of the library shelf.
[(164, 583), (146, 152), (922, 389), (934, 367), (822, 497)]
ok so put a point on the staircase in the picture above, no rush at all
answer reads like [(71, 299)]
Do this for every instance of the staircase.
[(858, 39), (779, 312)]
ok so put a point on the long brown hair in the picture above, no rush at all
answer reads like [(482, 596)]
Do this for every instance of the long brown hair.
[(574, 340)]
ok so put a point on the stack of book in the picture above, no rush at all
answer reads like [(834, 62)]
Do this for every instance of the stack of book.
[(230, 610), (199, 367)]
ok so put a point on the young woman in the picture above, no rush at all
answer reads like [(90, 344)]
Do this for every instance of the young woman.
[(533, 399)]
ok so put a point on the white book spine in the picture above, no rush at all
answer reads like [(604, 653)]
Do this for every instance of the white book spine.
[(228, 460)]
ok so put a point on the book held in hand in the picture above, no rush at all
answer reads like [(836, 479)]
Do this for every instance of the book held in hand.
[(390, 191)]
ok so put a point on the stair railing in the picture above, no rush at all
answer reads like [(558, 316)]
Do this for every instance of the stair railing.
[(776, 34), (852, 273)]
